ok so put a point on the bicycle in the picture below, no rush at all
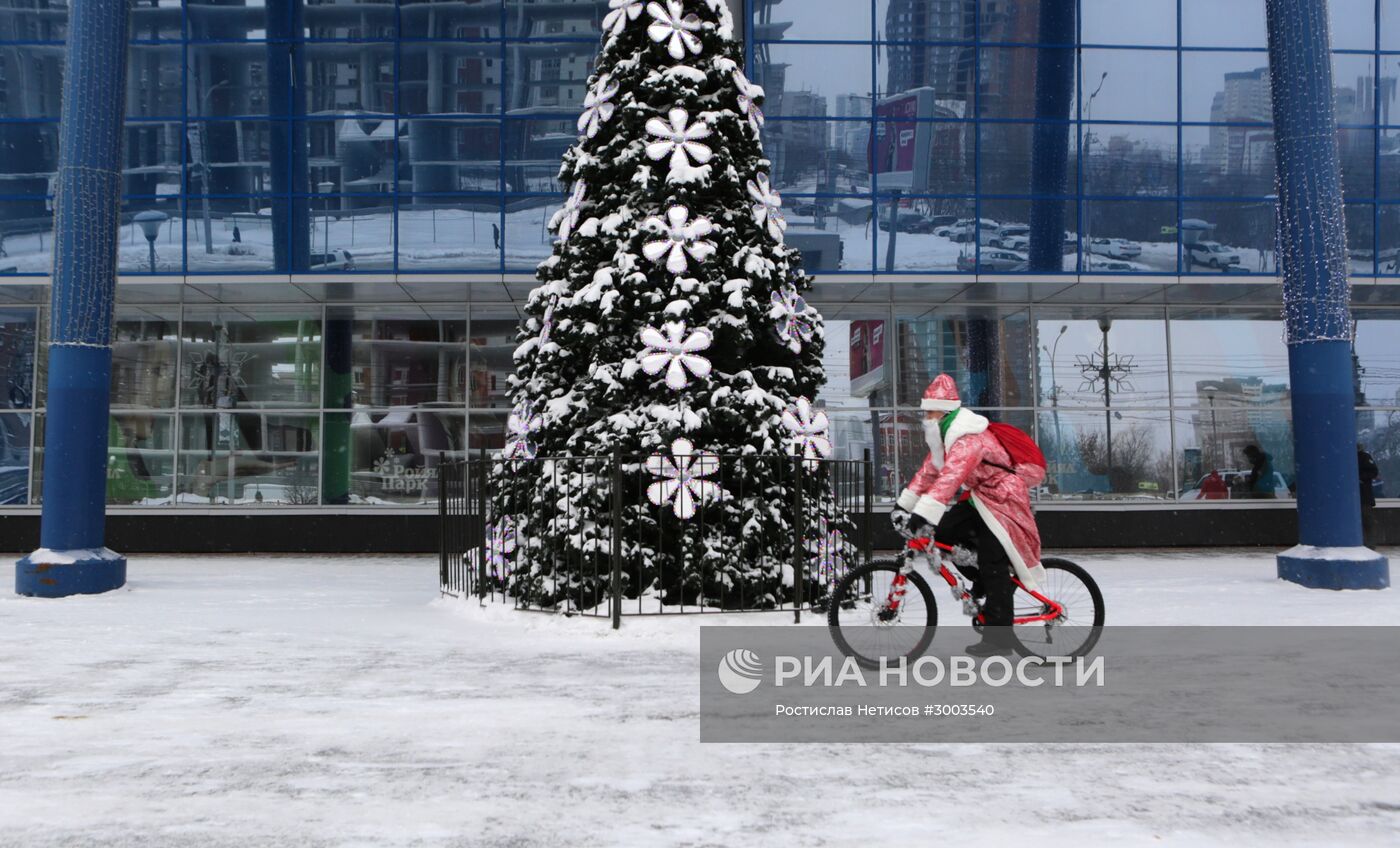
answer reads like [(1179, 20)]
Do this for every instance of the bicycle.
[(1061, 619)]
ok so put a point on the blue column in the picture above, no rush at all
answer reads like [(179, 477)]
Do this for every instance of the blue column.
[(87, 216), (1317, 306), (1054, 92)]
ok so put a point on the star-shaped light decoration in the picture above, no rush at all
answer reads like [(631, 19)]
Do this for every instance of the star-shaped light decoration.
[(671, 25), (767, 207), (682, 485), (597, 106), (566, 219), (789, 309), (522, 424), (622, 12), (672, 350), (681, 236), (680, 139), (748, 93), (809, 428)]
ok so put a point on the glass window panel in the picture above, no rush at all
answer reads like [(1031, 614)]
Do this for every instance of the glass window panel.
[(1353, 23), (363, 20), (1224, 87), (824, 157), (492, 345), (157, 20), (1129, 236), (18, 329), (526, 19), (924, 157), (1019, 21), (145, 369), (398, 357), (1115, 85), (25, 20), (832, 233), (248, 459), (140, 459), (821, 20), (1229, 160), (1377, 357), (163, 255), (986, 350), (454, 20), (1122, 455), (457, 156), (1388, 241), (236, 154), (854, 433), (899, 451), (1361, 243), (26, 235), (231, 80), (14, 458), (30, 160), (1379, 433), (240, 358), (394, 454), (349, 77), (807, 80), (154, 83), (1201, 23), (1008, 152), (245, 232), (1152, 22), (1227, 237), (33, 80), (1071, 354), (1390, 165), (1007, 81), (486, 431), (548, 76), (443, 233), (1390, 26), (215, 20), (154, 154), (923, 241), (534, 150), (1354, 83), (925, 20), (1235, 357), (1211, 441), (858, 359), (457, 77), (1004, 237), (527, 238), (940, 78), (351, 232), (1123, 160), (351, 156)]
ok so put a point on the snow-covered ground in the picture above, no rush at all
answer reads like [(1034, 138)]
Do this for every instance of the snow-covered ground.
[(317, 701)]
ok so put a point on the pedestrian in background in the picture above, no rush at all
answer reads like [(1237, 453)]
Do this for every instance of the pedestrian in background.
[(1368, 472)]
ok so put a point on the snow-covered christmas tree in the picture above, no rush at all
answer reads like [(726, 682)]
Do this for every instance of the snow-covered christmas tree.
[(669, 328)]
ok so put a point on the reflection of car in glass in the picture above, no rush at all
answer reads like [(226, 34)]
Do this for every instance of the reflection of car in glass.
[(1020, 243), (993, 260), (1006, 232), (1097, 264), (1115, 248), (1212, 254), (340, 260), (908, 222), (1234, 487), (985, 230)]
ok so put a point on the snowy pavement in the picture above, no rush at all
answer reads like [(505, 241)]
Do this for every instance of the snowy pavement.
[(316, 701)]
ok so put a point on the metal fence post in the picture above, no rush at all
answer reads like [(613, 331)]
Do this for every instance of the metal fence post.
[(481, 478), (797, 530), (615, 591), (867, 537), (442, 523)]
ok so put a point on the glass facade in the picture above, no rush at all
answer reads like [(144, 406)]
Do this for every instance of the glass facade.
[(357, 194)]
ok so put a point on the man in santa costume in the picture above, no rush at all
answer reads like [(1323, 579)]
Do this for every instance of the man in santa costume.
[(993, 514)]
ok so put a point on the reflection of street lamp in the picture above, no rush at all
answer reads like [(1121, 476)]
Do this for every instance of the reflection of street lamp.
[(325, 186), (1214, 434), (1055, 385), (198, 131), (150, 222), (1088, 143)]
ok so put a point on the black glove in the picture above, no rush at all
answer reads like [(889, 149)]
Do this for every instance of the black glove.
[(910, 525), (900, 519), (920, 528)]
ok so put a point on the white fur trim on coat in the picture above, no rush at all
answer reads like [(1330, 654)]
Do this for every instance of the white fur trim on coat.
[(930, 509), (967, 423), (939, 405), (1031, 575), (907, 499)]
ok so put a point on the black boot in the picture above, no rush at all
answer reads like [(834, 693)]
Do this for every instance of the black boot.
[(996, 641)]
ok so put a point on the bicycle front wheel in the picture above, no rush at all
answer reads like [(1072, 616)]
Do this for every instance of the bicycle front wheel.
[(869, 619), (1075, 632)]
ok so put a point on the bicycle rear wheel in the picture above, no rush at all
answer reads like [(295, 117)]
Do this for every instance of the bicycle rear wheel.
[(1077, 630), (864, 625)]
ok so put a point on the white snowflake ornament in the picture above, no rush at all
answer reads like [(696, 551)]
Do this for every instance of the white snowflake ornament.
[(500, 544), (622, 12), (678, 138), (683, 486), (809, 428), (522, 424), (597, 106), (566, 219), (748, 93), (671, 25), (681, 236), (790, 310), (672, 350), (829, 550), (767, 206)]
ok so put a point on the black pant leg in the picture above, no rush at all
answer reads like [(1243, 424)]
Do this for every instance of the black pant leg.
[(995, 566)]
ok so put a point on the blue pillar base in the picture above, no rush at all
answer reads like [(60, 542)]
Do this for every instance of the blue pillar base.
[(58, 574), (1334, 568)]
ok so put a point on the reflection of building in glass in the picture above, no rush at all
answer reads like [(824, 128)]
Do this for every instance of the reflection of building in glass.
[(1237, 412)]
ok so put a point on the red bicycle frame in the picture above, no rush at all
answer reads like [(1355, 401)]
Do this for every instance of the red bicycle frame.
[(900, 584)]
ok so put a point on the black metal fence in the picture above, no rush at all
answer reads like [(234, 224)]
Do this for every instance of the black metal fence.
[(726, 533)]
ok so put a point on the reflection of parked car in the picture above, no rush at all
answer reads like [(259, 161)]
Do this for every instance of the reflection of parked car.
[(908, 222), (993, 260), (1235, 487), (1010, 231), (967, 230), (340, 260), (1212, 254), (1115, 248), (1019, 243)]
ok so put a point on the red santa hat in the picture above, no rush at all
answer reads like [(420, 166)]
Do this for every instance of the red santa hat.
[(941, 395)]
